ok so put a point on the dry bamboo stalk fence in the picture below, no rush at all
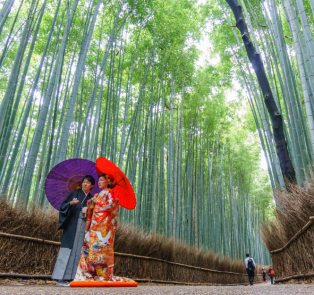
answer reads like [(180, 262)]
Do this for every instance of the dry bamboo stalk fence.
[(132, 265), (47, 277), (295, 260), (302, 276)]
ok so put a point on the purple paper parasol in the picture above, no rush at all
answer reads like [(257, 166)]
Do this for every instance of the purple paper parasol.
[(66, 177)]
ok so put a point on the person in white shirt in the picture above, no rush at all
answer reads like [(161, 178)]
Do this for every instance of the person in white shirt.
[(250, 267)]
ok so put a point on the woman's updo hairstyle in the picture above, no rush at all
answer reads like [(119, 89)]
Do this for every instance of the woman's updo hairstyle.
[(111, 185)]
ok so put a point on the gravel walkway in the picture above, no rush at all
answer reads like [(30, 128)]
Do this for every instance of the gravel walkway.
[(262, 289)]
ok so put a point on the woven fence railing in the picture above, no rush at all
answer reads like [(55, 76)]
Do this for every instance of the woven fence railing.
[(143, 267), (295, 260)]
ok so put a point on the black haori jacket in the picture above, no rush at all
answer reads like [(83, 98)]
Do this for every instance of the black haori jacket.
[(69, 215)]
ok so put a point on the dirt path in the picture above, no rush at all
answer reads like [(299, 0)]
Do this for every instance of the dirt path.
[(260, 289)]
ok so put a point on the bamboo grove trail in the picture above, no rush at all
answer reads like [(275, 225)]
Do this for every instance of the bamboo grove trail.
[(257, 289)]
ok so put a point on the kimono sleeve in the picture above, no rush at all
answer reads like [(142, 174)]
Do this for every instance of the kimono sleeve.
[(65, 212), (107, 205), (89, 213)]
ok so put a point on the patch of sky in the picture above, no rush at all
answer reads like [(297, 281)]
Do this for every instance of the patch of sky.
[(263, 162)]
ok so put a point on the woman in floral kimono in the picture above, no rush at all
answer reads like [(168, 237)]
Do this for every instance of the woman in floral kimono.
[(97, 255)]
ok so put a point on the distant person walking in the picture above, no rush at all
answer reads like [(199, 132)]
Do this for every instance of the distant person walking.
[(271, 274), (250, 267), (264, 274)]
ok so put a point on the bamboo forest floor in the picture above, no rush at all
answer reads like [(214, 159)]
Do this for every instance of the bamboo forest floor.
[(262, 289)]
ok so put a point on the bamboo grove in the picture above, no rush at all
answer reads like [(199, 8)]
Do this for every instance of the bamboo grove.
[(282, 35), (120, 79)]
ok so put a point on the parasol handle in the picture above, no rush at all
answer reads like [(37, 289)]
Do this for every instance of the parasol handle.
[(119, 181), (91, 205)]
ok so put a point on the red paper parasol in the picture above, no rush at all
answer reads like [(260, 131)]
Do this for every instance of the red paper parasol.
[(123, 189), (66, 177)]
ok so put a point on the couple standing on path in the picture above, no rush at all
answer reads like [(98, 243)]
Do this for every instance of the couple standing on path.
[(250, 267), (270, 273), (89, 224)]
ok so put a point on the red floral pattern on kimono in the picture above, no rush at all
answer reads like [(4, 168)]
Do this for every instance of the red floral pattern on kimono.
[(97, 255)]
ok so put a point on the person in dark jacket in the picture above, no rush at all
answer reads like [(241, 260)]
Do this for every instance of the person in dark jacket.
[(264, 274), (72, 220), (250, 267)]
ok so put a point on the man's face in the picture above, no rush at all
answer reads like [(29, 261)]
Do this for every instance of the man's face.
[(87, 186)]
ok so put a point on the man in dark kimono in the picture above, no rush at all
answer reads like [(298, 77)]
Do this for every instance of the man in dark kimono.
[(72, 220)]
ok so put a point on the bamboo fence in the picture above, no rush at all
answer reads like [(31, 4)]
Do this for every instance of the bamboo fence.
[(295, 260), (42, 259)]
